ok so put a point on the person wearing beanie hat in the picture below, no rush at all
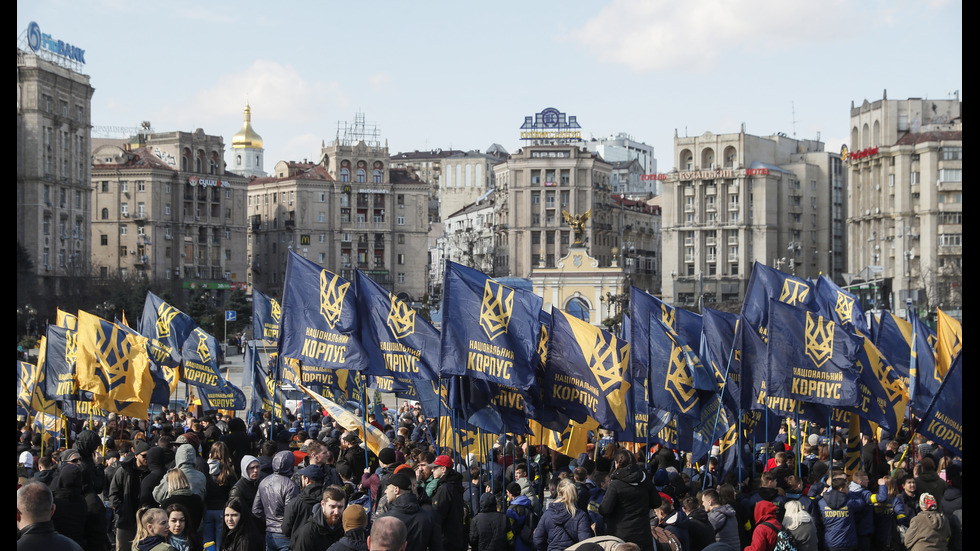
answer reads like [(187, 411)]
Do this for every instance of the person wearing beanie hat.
[(354, 522), (521, 520), (157, 459), (929, 530), (125, 492), (389, 465), (422, 524)]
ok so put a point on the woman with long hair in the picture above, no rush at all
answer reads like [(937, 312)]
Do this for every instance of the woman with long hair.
[(237, 534), (221, 479), (563, 524), (152, 530), (799, 523), (180, 492), (181, 538)]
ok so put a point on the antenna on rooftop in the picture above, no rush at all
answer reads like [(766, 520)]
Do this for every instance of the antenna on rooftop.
[(793, 106)]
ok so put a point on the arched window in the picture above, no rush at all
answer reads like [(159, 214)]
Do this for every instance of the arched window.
[(578, 308), (105, 214), (344, 175), (378, 176), (361, 176)]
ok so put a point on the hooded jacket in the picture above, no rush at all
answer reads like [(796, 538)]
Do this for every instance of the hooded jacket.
[(700, 531), (626, 506), (70, 507), (488, 530), (558, 529), (93, 477), (424, 531), (928, 531), (837, 510), (520, 513), (275, 492), (354, 539), (447, 500), (679, 524), (725, 523), (186, 460), (764, 537), (298, 511)]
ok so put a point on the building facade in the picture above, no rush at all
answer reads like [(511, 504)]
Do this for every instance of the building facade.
[(165, 210), (737, 199), (53, 177), (466, 176), (905, 203), (467, 238), (350, 210), (620, 148)]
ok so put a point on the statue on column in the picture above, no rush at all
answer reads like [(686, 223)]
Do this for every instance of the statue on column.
[(577, 222)]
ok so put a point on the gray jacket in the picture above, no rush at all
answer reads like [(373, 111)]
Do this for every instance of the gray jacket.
[(725, 523), (186, 461), (275, 492)]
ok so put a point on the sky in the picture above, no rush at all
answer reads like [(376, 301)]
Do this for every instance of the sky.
[(463, 75)]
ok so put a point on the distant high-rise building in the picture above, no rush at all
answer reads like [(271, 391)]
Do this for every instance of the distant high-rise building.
[(905, 203), (53, 180)]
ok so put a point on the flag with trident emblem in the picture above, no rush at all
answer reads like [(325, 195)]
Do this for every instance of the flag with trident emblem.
[(490, 330)]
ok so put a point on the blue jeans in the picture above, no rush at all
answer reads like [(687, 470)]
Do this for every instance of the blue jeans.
[(213, 520), (275, 541)]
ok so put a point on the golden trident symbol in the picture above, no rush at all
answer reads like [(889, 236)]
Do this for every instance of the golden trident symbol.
[(332, 298)]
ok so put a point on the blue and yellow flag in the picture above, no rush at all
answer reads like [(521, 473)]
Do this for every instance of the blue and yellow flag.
[(572, 440), (66, 320), (672, 367), (585, 372), (494, 408), (833, 302), (852, 447), (375, 438), (949, 341), (266, 391), (894, 340), (767, 283), (200, 366), (924, 374), (27, 375), (164, 377), (266, 315), (398, 342), (319, 322), (112, 363), (811, 358), (464, 438), (59, 363), (943, 419), (230, 398), (720, 353), (883, 394), (490, 331), (166, 328)]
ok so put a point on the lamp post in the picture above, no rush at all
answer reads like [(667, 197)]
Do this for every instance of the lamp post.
[(29, 312)]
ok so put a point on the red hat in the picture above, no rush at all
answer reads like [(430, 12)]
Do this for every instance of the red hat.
[(444, 461)]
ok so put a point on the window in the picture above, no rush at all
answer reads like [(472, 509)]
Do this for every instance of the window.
[(122, 229), (323, 197), (345, 175), (104, 240), (123, 186), (951, 175), (950, 217), (322, 217), (361, 176), (535, 198), (949, 239), (914, 178), (401, 221), (140, 185), (401, 277), (952, 153), (124, 209), (105, 214), (378, 176), (401, 258)]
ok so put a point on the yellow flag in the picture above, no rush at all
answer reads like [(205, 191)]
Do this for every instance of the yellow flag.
[(464, 440), (572, 441), (66, 320), (111, 362), (375, 440), (949, 341), (852, 450)]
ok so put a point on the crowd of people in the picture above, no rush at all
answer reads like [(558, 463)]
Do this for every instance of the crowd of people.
[(186, 483)]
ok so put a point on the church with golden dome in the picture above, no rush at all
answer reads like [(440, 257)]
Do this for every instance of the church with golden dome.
[(246, 150)]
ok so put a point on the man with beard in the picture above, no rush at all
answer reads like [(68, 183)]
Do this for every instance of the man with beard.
[(447, 500), (421, 523), (626, 506), (299, 509), (325, 527)]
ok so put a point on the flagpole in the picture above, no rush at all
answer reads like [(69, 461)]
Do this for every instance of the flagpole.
[(721, 404)]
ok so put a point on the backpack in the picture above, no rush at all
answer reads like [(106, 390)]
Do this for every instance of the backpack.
[(784, 540), (665, 540), (526, 531)]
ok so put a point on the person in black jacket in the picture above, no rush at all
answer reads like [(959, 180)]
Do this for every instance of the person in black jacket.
[(298, 510), (238, 441), (447, 500), (629, 498), (699, 528), (325, 527), (124, 493), (488, 531), (70, 507), (354, 522), (35, 530), (422, 523)]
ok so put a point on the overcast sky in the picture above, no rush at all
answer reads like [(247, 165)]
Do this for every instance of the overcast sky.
[(463, 75)]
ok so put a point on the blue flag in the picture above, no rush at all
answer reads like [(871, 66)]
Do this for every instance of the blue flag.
[(490, 331), (719, 353), (924, 376), (672, 366), (319, 322), (494, 408), (200, 367), (398, 342), (894, 339), (811, 358), (59, 364), (266, 315), (231, 397), (266, 390), (844, 308), (767, 283), (943, 419), (585, 371), (166, 328), (884, 395)]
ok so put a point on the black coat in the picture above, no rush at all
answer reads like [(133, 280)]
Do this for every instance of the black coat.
[(488, 529), (700, 530), (354, 539), (625, 508), (447, 500), (424, 530), (298, 510), (42, 536), (70, 506), (124, 492), (315, 535)]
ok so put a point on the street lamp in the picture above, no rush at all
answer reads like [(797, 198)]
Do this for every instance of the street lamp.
[(29, 312)]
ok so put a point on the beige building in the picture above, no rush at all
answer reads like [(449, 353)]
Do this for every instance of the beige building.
[(53, 179), (166, 210), (905, 203), (537, 183), (465, 178), (579, 285), (350, 210), (737, 199)]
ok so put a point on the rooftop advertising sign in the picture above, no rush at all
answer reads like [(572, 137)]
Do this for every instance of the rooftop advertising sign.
[(551, 124), (41, 41)]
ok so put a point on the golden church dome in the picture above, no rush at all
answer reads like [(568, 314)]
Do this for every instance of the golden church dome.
[(247, 137)]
